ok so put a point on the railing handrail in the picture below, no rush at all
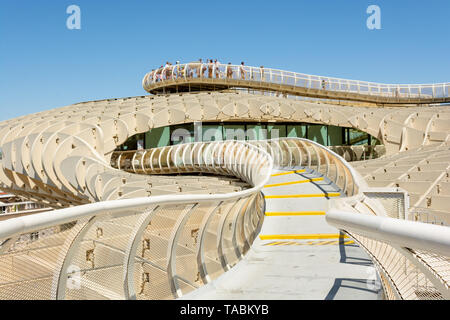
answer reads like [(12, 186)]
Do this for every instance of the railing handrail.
[(309, 77), (47, 219), (357, 180), (356, 177), (408, 234)]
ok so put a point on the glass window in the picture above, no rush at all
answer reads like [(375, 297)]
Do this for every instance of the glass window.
[(296, 131), (335, 136), (276, 131), (157, 137), (212, 132), (318, 133), (182, 134), (234, 132), (358, 137), (256, 132)]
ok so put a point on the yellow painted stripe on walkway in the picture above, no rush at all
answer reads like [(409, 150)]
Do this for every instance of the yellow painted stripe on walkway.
[(309, 243), (287, 243), (321, 243), (331, 194), (288, 172), (296, 213), (292, 182), (273, 243), (301, 236)]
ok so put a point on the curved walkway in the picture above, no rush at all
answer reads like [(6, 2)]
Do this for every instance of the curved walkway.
[(196, 76), (297, 254)]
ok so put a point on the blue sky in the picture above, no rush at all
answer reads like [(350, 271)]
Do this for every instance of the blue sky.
[(44, 65)]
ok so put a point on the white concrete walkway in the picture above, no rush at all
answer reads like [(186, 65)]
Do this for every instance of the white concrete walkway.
[(297, 254)]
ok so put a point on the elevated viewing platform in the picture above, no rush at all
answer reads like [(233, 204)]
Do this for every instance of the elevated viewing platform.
[(196, 76)]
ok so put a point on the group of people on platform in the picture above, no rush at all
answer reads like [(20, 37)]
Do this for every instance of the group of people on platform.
[(200, 69)]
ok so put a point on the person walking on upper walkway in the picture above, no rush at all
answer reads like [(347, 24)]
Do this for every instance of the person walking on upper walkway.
[(158, 74), (210, 68), (242, 71), (217, 70), (229, 71), (198, 68), (167, 70)]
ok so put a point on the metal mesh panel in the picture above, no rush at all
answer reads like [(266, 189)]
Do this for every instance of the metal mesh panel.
[(151, 278), (341, 178), (427, 215), (258, 217), (238, 233), (303, 153), (323, 169), (393, 202), (185, 286), (98, 260), (212, 261), (348, 182), (332, 169), (187, 272), (294, 152), (389, 292), (245, 225), (227, 240), (151, 282), (28, 267), (439, 264), (313, 153), (406, 280), (285, 154)]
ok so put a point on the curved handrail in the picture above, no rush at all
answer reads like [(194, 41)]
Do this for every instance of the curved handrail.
[(40, 221), (412, 256), (409, 234), (137, 229), (124, 160), (319, 86), (359, 180), (98, 233)]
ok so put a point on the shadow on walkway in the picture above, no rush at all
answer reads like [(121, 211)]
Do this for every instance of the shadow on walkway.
[(348, 259), (352, 284)]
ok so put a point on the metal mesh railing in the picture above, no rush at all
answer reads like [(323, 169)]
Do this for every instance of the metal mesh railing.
[(395, 202), (405, 280), (159, 247), (160, 251), (195, 157), (145, 248), (412, 257), (428, 215)]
